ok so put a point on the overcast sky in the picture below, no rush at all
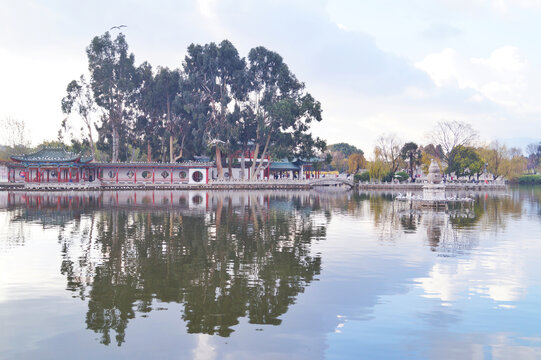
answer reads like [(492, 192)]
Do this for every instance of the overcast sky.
[(377, 66)]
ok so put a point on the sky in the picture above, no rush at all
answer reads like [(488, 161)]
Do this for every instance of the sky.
[(377, 66)]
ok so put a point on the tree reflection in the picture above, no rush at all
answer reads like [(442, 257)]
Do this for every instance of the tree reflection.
[(246, 257), (448, 231)]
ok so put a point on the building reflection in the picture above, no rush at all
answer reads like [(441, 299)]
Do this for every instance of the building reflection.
[(223, 256)]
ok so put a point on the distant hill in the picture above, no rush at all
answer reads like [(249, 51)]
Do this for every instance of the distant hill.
[(345, 149)]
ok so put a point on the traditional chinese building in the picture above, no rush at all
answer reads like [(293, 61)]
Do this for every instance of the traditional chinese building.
[(56, 165), (48, 165)]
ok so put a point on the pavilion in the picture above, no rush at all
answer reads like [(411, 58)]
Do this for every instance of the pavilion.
[(48, 165)]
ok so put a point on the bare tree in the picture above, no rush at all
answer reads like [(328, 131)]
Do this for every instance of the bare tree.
[(533, 151), (389, 146), (15, 134), (450, 134), (79, 98)]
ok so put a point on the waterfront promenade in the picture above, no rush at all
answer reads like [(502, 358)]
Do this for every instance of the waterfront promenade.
[(419, 186), (237, 184)]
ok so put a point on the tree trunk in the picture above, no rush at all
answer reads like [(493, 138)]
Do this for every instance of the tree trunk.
[(115, 144), (163, 149), (263, 155), (181, 150), (149, 152), (242, 164), (219, 163), (254, 158), (411, 166), (230, 166), (171, 150), (92, 147)]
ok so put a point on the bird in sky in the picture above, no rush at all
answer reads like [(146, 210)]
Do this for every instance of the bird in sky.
[(118, 27)]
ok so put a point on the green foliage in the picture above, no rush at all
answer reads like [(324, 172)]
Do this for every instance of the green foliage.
[(345, 149), (412, 154), (530, 180), (465, 161), (217, 100), (401, 176), (363, 177), (114, 83)]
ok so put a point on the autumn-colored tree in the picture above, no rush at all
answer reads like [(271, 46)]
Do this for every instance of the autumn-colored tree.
[(356, 161), (378, 168), (339, 161), (388, 147)]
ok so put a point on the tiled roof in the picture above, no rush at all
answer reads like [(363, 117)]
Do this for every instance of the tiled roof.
[(153, 164), (47, 154), (86, 159), (283, 166)]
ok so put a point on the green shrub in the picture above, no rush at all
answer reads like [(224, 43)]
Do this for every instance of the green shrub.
[(388, 177), (530, 180), (401, 176), (363, 177)]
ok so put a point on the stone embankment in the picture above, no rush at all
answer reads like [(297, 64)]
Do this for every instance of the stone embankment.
[(280, 184), (419, 186)]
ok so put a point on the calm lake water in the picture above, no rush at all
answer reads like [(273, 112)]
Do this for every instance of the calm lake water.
[(268, 275)]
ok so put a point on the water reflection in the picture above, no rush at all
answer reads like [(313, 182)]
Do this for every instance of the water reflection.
[(223, 257), (230, 258)]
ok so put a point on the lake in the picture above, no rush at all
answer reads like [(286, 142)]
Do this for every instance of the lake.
[(268, 275)]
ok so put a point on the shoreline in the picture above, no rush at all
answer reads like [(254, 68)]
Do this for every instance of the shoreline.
[(211, 186), (259, 185), (419, 186)]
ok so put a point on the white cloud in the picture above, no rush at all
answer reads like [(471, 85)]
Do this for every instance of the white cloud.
[(440, 32), (504, 77), (497, 6), (364, 90)]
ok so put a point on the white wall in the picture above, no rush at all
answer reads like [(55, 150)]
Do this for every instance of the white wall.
[(3, 173)]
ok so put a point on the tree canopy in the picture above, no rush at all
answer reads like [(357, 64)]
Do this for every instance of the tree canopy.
[(216, 99), (345, 149)]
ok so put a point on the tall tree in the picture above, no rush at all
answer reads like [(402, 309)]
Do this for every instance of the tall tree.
[(451, 134), (412, 154), (167, 84), (389, 146), (282, 111), (79, 98), (216, 73), (149, 125), (114, 83)]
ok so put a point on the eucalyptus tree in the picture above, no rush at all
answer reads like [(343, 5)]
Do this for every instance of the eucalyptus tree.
[(149, 124), (79, 99), (281, 110), (114, 84), (167, 85), (216, 73)]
